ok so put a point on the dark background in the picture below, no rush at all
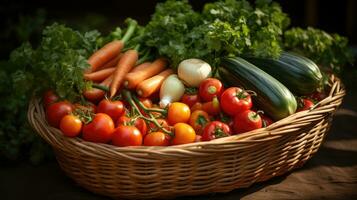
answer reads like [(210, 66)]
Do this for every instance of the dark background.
[(331, 16)]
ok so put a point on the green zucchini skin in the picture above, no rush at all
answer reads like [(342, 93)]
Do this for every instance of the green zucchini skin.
[(272, 96), (301, 75)]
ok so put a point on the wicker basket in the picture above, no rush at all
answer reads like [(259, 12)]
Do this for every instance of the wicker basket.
[(217, 166)]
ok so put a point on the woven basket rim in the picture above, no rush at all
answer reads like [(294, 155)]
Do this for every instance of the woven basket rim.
[(256, 136)]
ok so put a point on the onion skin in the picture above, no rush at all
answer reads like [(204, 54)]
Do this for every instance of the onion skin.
[(192, 71)]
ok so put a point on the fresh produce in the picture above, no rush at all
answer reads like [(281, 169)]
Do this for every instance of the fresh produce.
[(112, 63), (156, 139), (178, 112), (95, 94), (104, 55), (304, 104), (134, 78), (99, 75), (246, 121), (214, 130), (235, 100), (56, 111), (300, 75), (127, 136), (184, 134), (266, 121), (210, 88), (139, 123), (212, 107), (125, 64), (153, 84), (49, 98), (272, 96), (100, 129), (171, 90), (190, 97), (114, 109), (193, 71), (71, 125), (198, 120)]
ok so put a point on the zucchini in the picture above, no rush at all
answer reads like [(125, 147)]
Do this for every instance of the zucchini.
[(272, 96), (301, 75)]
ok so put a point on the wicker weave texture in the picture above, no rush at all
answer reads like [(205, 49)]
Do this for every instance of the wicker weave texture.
[(217, 166)]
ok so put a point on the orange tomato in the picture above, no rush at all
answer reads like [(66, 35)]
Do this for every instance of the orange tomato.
[(71, 125), (156, 139), (178, 112), (184, 134), (198, 120)]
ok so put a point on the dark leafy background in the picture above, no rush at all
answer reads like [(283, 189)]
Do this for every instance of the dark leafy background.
[(25, 20)]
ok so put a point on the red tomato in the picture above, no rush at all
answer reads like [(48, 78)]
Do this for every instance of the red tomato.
[(100, 129), (235, 100), (146, 101), (178, 112), (305, 104), (94, 94), (266, 121), (71, 125), (212, 107), (49, 97), (184, 134), (318, 96), (190, 99), (56, 111), (210, 88), (162, 122), (127, 136), (198, 120), (246, 121), (214, 130), (114, 109), (138, 123), (196, 106), (198, 138), (156, 139)]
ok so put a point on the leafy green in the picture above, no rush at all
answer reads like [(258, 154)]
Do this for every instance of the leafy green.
[(328, 50), (223, 28)]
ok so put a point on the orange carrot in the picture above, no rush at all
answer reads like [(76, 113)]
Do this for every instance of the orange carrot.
[(105, 54), (132, 79), (95, 94), (125, 64), (153, 84), (99, 75), (112, 63), (140, 67)]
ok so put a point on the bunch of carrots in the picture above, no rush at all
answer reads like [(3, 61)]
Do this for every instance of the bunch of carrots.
[(111, 69)]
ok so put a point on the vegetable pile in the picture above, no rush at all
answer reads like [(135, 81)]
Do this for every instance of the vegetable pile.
[(184, 77)]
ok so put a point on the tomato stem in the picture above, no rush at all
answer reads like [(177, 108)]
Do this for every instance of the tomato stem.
[(101, 87)]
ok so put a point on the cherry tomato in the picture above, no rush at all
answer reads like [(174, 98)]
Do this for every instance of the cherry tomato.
[(71, 125), (210, 88), (212, 107), (56, 111), (214, 130), (127, 136), (49, 97), (305, 104), (184, 134), (162, 122), (178, 112), (196, 106), (100, 129), (235, 100), (146, 101), (114, 109), (190, 99), (139, 123), (156, 139), (318, 96), (266, 121), (94, 94), (246, 121), (198, 120)]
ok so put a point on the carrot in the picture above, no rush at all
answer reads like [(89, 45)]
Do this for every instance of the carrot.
[(125, 64), (112, 63), (153, 84), (99, 75), (132, 79), (140, 67), (95, 94), (105, 54)]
